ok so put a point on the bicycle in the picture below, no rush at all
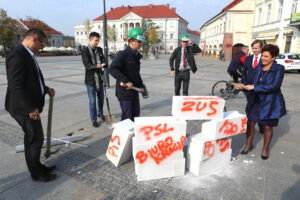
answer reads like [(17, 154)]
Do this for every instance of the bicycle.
[(224, 89)]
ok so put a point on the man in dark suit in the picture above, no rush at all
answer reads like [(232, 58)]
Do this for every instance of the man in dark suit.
[(25, 99), (184, 62), (251, 62), (94, 61)]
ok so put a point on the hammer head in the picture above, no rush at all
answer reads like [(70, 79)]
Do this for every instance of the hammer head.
[(145, 94)]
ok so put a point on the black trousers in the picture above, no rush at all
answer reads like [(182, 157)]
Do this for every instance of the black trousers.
[(182, 77), (33, 142), (235, 75)]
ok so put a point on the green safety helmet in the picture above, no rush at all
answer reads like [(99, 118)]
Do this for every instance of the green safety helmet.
[(184, 37), (137, 34)]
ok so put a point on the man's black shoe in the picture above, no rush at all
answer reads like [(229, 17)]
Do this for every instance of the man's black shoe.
[(102, 117), (49, 169), (44, 177), (95, 124)]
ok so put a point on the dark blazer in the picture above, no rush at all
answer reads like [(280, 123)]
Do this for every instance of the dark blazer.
[(272, 105), (248, 71), (125, 68), (24, 92), (176, 55), (91, 68)]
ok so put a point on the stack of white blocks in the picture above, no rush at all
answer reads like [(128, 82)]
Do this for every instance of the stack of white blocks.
[(157, 147), (211, 150), (158, 142)]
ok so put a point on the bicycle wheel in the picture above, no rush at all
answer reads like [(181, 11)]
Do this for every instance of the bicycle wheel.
[(221, 89)]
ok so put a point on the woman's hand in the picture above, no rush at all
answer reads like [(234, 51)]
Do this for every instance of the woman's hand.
[(249, 87)]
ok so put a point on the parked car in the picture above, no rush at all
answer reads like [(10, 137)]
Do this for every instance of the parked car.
[(290, 61)]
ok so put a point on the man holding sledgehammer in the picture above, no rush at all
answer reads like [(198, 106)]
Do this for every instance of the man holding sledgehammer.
[(126, 68)]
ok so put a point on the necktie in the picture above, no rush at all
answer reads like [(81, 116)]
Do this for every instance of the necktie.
[(255, 62), (184, 59)]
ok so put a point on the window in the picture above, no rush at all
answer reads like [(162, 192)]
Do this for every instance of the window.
[(294, 6), (171, 48), (269, 7), (120, 25), (220, 28), (81, 33), (98, 26), (161, 24), (171, 36), (258, 16), (280, 6), (77, 33), (85, 32)]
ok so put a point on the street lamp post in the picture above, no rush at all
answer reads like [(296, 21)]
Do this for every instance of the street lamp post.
[(106, 74)]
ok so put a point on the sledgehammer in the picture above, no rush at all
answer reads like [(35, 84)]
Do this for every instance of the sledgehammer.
[(145, 93)]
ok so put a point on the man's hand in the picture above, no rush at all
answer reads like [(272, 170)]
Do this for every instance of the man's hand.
[(101, 65), (190, 41), (172, 73), (240, 86), (51, 92), (35, 115), (129, 85), (142, 90)]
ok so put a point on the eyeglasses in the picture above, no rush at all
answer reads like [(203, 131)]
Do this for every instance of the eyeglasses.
[(43, 44)]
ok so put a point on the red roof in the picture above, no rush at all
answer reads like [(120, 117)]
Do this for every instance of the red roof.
[(231, 5), (40, 24), (150, 11), (193, 32)]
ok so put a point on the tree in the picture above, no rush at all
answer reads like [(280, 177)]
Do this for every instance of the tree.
[(87, 26), (112, 34), (7, 30), (150, 35)]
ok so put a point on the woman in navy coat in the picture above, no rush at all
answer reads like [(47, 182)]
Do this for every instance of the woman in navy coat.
[(267, 104)]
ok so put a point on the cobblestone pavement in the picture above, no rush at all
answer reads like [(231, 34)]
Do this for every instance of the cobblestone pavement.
[(85, 173)]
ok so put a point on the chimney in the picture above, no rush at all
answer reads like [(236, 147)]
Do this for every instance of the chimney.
[(173, 9), (168, 5), (150, 5), (111, 9), (128, 7), (122, 6)]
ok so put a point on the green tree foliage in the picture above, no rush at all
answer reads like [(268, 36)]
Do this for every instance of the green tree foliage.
[(150, 35), (7, 30), (87, 26)]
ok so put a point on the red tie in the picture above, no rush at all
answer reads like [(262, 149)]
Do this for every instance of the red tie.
[(255, 62), (184, 60)]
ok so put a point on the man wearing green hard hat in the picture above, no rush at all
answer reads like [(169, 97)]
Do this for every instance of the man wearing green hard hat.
[(125, 68), (184, 62)]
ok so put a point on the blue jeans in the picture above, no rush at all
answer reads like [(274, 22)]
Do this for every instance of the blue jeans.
[(91, 90)]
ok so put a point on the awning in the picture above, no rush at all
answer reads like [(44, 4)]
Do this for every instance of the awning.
[(266, 37)]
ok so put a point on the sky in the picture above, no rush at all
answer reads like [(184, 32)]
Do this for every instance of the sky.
[(62, 15)]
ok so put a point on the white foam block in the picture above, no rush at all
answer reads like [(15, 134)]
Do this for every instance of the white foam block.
[(208, 166), (120, 146), (233, 123), (166, 169), (198, 107), (153, 129), (159, 152), (202, 149)]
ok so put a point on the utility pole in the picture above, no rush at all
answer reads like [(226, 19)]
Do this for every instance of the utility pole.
[(106, 74)]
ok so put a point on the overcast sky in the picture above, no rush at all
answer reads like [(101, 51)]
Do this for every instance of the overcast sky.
[(62, 15)]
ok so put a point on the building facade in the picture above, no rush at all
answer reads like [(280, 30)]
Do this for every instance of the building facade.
[(273, 24), (232, 25), (123, 18)]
